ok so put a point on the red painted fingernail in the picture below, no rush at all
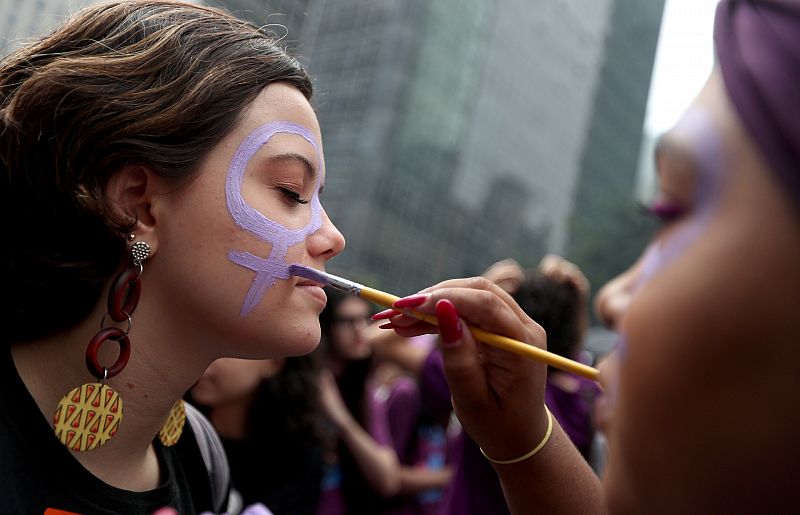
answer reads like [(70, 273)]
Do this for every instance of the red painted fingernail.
[(387, 313), (411, 301), (449, 323), (387, 325)]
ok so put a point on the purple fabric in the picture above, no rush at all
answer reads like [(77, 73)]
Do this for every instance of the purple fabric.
[(758, 47), (573, 410), (402, 409), (433, 386), (395, 421), (475, 488), (392, 422), (396, 407)]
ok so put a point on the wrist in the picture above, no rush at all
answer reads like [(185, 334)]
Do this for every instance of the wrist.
[(524, 452)]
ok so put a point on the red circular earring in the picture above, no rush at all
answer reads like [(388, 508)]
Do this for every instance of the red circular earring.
[(89, 416)]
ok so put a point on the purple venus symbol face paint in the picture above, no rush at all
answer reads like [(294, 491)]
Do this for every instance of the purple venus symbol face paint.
[(273, 267)]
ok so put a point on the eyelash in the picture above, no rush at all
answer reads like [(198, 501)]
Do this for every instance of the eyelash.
[(292, 195), (665, 213)]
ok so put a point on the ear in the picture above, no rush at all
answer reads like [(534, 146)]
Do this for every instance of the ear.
[(131, 192)]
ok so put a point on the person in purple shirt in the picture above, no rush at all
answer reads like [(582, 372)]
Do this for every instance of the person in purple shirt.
[(383, 456), (417, 431)]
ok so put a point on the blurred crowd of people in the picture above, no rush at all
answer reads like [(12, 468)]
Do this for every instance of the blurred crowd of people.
[(365, 424)]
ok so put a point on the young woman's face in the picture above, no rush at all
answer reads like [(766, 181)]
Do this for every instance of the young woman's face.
[(708, 324), (348, 329), (225, 241), (230, 380)]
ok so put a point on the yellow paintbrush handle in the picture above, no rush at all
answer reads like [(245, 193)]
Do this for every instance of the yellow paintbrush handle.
[(496, 340)]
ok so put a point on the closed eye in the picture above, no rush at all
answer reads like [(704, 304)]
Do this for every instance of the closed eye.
[(665, 212), (292, 195)]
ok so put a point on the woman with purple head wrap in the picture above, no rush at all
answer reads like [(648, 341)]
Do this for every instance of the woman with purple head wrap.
[(700, 406)]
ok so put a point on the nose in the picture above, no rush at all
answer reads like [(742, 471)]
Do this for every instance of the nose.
[(613, 299), (327, 242)]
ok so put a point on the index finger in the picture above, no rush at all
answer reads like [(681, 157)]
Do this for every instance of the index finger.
[(484, 305)]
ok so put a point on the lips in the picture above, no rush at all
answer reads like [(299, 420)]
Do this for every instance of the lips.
[(307, 282), (313, 289)]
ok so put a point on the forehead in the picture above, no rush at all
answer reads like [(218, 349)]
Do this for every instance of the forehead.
[(689, 156), (675, 163), (277, 102)]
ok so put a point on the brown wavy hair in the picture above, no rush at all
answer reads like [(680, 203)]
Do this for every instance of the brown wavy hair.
[(154, 83)]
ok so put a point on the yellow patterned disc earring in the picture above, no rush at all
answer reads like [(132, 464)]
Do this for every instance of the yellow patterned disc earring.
[(88, 416), (173, 428)]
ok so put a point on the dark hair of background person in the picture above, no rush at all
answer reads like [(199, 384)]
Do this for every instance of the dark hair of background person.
[(359, 496), (286, 419), (152, 83), (279, 462), (555, 306), (293, 393)]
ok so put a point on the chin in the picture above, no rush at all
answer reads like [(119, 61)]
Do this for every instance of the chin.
[(310, 345), (294, 344)]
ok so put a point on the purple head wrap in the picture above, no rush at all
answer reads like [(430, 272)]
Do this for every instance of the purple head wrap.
[(758, 47)]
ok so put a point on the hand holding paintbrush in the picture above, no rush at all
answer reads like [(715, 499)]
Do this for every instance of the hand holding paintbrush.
[(404, 306)]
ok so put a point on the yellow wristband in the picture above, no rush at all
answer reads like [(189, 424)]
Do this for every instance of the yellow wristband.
[(529, 453)]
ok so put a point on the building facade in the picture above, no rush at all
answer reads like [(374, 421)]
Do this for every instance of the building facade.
[(22, 19), (458, 133), (607, 230)]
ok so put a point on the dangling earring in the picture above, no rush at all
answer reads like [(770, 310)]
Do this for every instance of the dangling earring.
[(89, 415), (173, 428)]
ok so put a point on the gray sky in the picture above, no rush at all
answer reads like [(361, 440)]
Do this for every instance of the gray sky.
[(684, 58)]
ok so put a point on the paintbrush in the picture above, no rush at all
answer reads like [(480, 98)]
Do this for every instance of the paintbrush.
[(503, 342)]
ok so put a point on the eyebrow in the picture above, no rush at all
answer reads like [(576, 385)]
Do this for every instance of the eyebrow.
[(311, 170)]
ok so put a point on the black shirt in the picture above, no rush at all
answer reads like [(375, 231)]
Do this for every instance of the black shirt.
[(37, 472), (282, 472)]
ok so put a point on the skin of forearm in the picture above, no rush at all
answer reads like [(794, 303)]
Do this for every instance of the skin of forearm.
[(417, 479), (378, 464)]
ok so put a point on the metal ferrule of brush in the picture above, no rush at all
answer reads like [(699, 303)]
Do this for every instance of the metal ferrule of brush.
[(346, 286)]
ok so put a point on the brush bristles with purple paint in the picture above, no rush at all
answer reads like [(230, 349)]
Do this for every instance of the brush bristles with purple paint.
[(387, 300)]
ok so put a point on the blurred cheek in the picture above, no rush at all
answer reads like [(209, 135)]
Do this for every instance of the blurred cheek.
[(205, 393)]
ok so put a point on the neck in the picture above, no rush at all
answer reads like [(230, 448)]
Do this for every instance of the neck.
[(148, 386)]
